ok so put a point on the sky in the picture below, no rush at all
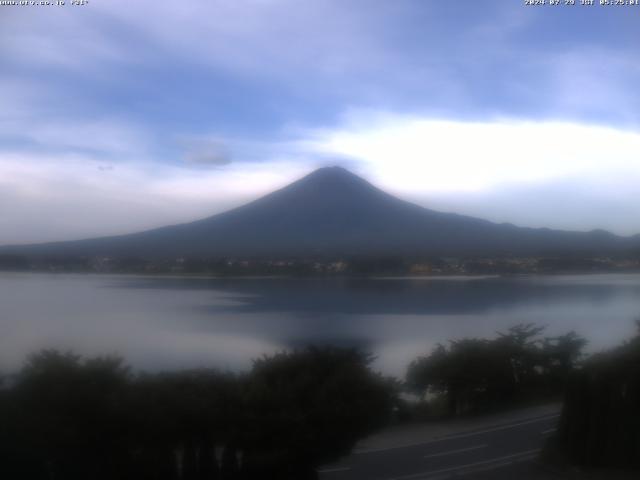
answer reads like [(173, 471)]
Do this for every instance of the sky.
[(117, 116)]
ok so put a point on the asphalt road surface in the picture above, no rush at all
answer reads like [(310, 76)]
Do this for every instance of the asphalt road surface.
[(504, 449)]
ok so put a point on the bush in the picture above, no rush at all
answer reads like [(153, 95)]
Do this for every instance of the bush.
[(71, 418), (475, 374)]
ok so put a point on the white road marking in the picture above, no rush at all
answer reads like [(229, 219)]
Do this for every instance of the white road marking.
[(495, 429), (333, 470), (499, 461), (459, 435), (544, 432), (453, 452)]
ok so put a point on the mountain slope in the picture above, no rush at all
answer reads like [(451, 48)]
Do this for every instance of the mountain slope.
[(332, 211)]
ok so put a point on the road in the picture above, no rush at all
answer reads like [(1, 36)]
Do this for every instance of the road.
[(503, 447)]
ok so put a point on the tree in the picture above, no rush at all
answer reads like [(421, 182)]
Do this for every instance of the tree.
[(600, 421), (561, 355), (309, 407), (72, 418), (472, 373), (479, 374), (67, 415)]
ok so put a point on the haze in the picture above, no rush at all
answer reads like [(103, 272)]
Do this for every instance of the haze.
[(127, 115)]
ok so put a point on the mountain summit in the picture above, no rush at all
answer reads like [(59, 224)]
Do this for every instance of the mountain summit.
[(333, 211)]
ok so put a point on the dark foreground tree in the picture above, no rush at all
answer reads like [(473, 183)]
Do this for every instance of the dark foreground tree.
[(310, 407), (68, 418), (476, 374), (600, 421), (65, 417)]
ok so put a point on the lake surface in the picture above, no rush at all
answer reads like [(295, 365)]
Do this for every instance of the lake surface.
[(169, 322)]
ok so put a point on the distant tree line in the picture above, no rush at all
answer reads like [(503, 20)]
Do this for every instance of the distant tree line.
[(14, 263), (357, 265), (65, 417)]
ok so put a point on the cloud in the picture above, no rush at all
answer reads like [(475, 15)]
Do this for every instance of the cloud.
[(299, 60), (147, 108), (566, 204), (206, 152), (554, 174), (47, 197), (424, 154), (292, 146), (33, 121), (83, 43), (534, 174)]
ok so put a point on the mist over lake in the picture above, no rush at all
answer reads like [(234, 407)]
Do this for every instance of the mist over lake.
[(173, 322)]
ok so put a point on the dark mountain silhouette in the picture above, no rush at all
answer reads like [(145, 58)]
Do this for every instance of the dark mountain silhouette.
[(332, 211)]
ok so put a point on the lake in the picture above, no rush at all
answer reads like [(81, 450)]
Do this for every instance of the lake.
[(175, 322)]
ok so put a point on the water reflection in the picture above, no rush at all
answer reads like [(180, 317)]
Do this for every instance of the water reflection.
[(174, 322)]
